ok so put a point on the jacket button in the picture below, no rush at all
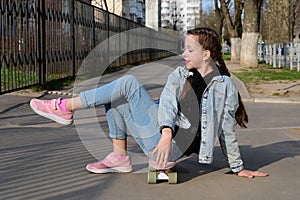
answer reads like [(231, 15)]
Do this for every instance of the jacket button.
[(204, 111)]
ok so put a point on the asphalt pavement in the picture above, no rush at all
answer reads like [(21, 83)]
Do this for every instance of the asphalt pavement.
[(42, 160)]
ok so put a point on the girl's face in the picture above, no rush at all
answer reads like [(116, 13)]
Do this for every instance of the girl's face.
[(194, 53)]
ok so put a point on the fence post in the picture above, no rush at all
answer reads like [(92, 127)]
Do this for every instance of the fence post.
[(267, 53), (274, 55), (107, 22), (42, 42), (284, 55), (94, 28), (298, 57), (279, 56), (270, 53), (72, 33), (291, 55)]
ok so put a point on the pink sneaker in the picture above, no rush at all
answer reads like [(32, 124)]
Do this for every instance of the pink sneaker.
[(51, 110), (110, 164)]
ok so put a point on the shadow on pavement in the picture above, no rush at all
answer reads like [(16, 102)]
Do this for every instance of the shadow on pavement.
[(254, 158)]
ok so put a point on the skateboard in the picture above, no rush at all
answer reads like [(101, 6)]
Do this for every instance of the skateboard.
[(155, 173)]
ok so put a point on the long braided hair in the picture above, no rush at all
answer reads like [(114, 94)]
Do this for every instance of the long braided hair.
[(210, 40)]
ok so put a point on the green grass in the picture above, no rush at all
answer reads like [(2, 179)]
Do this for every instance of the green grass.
[(266, 72), (226, 56), (59, 84), (11, 78)]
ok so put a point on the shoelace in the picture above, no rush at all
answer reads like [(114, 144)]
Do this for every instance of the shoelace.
[(109, 161), (53, 103)]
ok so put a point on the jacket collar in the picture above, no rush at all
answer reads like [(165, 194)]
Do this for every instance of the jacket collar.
[(219, 79), (184, 71)]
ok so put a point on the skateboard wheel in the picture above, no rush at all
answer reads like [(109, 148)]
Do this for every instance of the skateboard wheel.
[(152, 178), (172, 178)]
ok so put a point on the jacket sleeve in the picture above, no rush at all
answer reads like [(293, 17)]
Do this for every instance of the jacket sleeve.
[(228, 138), (168, 104)]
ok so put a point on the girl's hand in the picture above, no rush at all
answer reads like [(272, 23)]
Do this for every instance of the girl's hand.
[(251, 174), (164, 147)]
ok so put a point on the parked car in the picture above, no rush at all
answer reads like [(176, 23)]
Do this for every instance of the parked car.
[(226, 49)]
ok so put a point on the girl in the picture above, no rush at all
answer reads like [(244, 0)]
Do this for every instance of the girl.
[(198, 104)]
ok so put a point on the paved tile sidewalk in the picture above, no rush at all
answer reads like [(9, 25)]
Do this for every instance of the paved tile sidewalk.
[(42, 160)]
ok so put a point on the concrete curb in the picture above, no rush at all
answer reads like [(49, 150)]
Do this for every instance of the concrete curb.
[(272, 100), (241, 87), (63, 93), (246, 97)]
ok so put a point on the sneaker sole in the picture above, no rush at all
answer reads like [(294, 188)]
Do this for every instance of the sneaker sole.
[(111, 170), (51, 116)]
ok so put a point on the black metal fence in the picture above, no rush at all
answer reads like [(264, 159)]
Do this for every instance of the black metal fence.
[(44, 40)]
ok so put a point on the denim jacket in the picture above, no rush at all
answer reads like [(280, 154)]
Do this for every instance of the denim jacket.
[(218, 106)]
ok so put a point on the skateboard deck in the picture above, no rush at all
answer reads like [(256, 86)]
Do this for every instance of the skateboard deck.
[(167, 173)]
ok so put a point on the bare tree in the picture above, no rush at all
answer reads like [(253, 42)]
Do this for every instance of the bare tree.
[(219, 17), (293, 14), (233, 25), (250, 33), (212, 18), (105, 4), (100, 3), (280, 20)]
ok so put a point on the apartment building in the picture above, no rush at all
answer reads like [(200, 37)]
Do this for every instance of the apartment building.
[(152, 10), (180, 15), (130, 9)]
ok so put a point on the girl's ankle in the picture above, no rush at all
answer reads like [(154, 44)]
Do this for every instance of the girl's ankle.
[(120, 157), (63, 105)]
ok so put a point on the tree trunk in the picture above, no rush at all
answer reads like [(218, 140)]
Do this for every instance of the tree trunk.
[(235, 48), (233, 27), (249, 50), (220, 18), (250, 33)]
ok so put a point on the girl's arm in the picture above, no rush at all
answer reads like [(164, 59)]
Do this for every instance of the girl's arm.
[(167, 112), (228, 138), (168, 103)]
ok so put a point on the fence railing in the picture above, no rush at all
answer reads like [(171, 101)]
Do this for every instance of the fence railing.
[(285, 55), (44, 40)]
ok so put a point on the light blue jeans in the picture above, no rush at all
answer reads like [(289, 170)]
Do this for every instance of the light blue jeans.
[(129, 105)]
